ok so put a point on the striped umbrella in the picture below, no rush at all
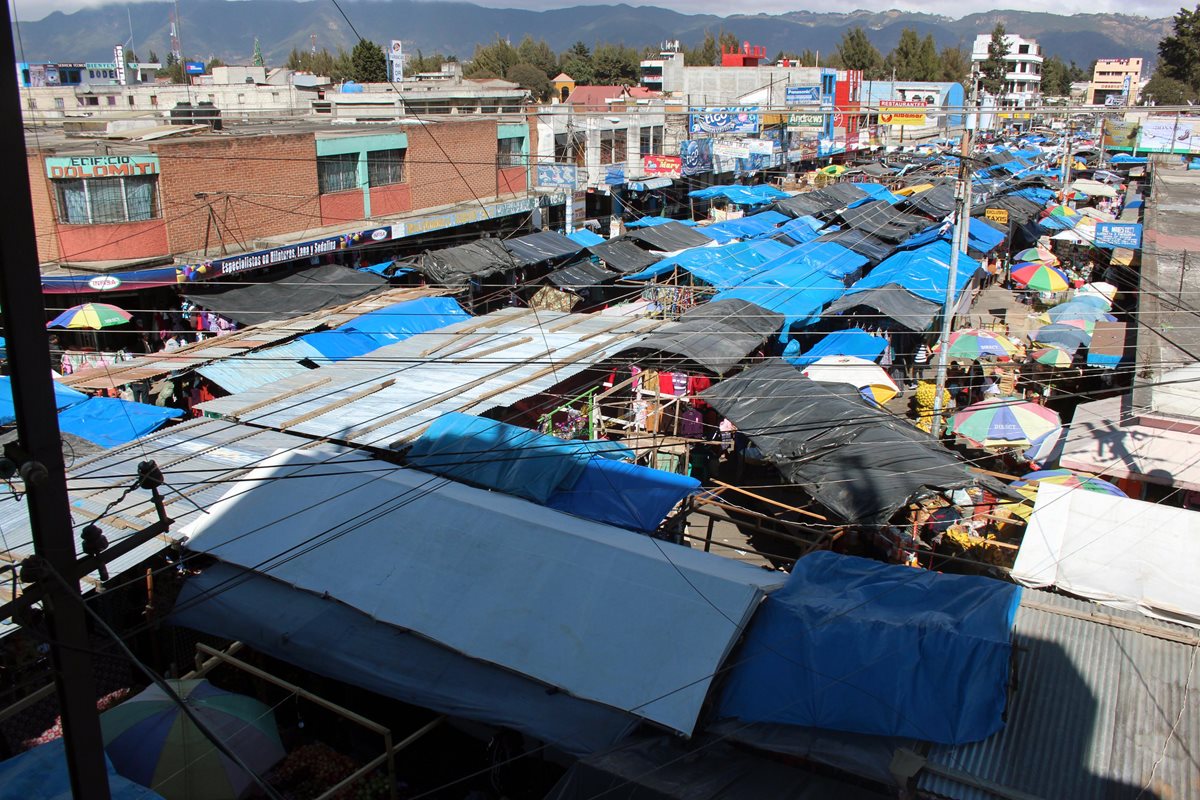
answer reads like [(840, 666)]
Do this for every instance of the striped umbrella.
[(1063, 211), (1041, 277), (152, 742), (1068, 337), (90, 315), (1037, 254), (1052, 357), (972, 343), (1004, 422), (1028, 484)]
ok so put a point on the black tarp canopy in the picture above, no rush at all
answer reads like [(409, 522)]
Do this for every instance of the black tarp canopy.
[(937, 202), (892, 301), (670, 236), (1020, 209), (882, 221), (860, 462), (624, 256), (845, 193), (456, 265), (717, 336), (542, 246), (582, 274), (820, 204), (301, 292), (862, 243)]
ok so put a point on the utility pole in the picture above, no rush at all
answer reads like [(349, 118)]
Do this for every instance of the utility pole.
[(39, 455)]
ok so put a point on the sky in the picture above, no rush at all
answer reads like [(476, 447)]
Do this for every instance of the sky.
[(37, 9)]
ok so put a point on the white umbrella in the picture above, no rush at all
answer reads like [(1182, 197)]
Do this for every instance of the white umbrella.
[(1106, 290), (858, 372)]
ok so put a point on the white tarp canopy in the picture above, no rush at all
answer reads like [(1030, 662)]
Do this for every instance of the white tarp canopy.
[(1121, 552)]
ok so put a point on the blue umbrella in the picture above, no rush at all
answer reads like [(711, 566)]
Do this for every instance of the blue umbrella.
[(1068, 337), (1087, 312)]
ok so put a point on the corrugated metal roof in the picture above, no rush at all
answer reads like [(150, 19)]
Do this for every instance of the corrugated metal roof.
[(196, 457), (1105, 705), (244, 372), (395, 391)]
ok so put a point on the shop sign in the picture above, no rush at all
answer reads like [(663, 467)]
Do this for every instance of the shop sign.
[(565, 176), (1119, 234), (662, 166), (802, 121), (725, 120), (802, 95), (762, 147), (732, 150), (283, 254), (997, 215), (902, 112), (104, 283), (101, 166), (437, 222)]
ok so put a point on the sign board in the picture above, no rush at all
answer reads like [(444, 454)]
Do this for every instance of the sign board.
[(802, 95), (732, 150), (104, 283), (997, 215), (101, 166), (285, 253), (662, 166), (760, 146), (1119, 234), (119, 59), (802, 121), (902, 112), (193, 67), (1120, 134), (1169, 135), (396, 54), (1014, 115), (1114, 100), (564, 176), (725, 120)]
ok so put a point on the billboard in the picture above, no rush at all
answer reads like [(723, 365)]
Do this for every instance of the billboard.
[(1119, 234), (193, 67), (725, 120), (1120, 134), (805, 121), (662, 166), (802, 95), (564, 176), (1170, 135), (902, 112)]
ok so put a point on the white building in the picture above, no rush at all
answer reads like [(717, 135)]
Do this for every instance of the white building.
[(1023, 74)]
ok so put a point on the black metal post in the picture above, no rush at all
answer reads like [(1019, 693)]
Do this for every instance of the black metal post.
[(42, 468)]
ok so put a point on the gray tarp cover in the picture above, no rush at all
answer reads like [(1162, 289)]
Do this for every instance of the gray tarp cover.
[(624, 256), (301, 292), (845, 192), (542, 246), (455, 265), (1020, 209), (717, 336), (820, 204), (892, 301), (862, 243), (670, 236), (882, 221), (583, 274), (937, 202), (860, 462), (664, 768)]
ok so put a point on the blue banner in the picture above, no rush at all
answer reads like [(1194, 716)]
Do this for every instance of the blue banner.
[(697, 156), (193, 67), (558, 175), (1119, 234), (802, 95), (725, 120)]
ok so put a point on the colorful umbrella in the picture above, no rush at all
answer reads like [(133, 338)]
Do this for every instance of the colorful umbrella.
[(1088, 326), (1041, 277), (90, 315), (1028, 484), (1069, 337), (1004, 422), (1063, 211), (972, 343), (1037, 254), (833, 170), (1052, 357), (153, 743), (867, 376)]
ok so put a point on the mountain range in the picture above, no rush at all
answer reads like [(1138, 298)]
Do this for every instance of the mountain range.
[(228, 30)]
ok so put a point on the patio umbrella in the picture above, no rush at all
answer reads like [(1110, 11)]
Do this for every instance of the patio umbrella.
[(972, 343), (152, 742), (1063, 211), (1004, 422), (1041, 277), (1028, 484), (1088, 326), (1068, 337), (833, 170), (867, 376), (1037, 254), (1052, 357), (1097, 289), (90, 315)]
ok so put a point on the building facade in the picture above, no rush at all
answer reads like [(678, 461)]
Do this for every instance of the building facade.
[(1115, 81), (1023, 70)]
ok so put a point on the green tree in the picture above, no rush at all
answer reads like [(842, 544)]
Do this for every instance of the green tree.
[(1165, 91), (171, 59), (258, 59), (956, 65), (367, 62), (1056, 82), (493, 60), (856, 52), (992, 69), (706, 55), (424, 63), (914, 59), (615, 65), (294, 61), (153, 57), (576, 61), (1179, 53), (341, 68), (214, 62), (537, 54), (527, 76), (131, 56), (726, 41)]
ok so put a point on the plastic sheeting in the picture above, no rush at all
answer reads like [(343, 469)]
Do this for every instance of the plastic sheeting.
[(456, 265), (797, 289), (722, 266), (983, 238), (64, 396), (894, 302), (558, 599), (883, 222), (581, 275), (800, 230), (860, 462), (338, 345), (670, 236), (300, 292), (877, 191), (534, 248), (585, 238), (854, 645), (752, 227), (937, 202), (623, 255), (399, 321), (853, 342), (737, 194), (111, 421), (41, 774), (625, 495), (925, 272), (860, 242)]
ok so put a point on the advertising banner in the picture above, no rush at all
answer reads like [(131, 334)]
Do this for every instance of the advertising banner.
[(1119, 234), (802, 95), (725, 120), (803, 121), (564, 176), (902, 112), (1169, 135), (101, 166), (278, 255), (997, 215), (697, 156), (664, 166), (732, 150), (1120, 134)]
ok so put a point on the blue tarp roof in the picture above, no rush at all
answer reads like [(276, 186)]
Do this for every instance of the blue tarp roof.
[(622, 494), (111, 421), (852, 342), (382, 267), (41, 774), (751, 227), (855, 645), (585, 238), (1125, 158), (384, 326), (797, 290), (1037, 194), (650, 222), (64, 396), (981, 237), (723, 266), (741, 195), (597, 612), (925, 272), (877, 191), (800, 230)]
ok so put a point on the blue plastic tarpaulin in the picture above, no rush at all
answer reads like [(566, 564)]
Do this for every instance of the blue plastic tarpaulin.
[(852, 342), (384, 326), (983, 238), (111, 421), (800, 230), (797, 290), (751, 227), (877, 191), (650, 222), (585, 238), (925, 272), (64, 396), (741, 195), (1125, 158), (382, 268), (337, 345), (41, 774), (855, 645), (722, 266), (626, 495)]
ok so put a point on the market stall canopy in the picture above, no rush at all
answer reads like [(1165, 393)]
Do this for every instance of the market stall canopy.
[(867, 630), (752, 227), (111, 421), (64, 397), (722, 266), (1093, 188), (882, 221), (860, 462), (797, 289), (738, 194), (542, 246), (936, 202), (861, 242), (891, 301), (924, 271), (457, 265), (290, 296), (623, 255), (585, 238), (670, 236), (582, 275), (506, 593), (853, 342), (801, 229)]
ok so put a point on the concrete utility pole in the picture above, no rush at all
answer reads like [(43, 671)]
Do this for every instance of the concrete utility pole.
[(39, 455)]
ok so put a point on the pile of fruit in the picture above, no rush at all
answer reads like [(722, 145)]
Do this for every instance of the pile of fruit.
[(312, 769)]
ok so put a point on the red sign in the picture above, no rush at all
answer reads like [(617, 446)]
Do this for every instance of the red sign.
[(666, 166)]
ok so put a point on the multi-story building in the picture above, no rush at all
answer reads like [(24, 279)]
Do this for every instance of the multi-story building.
[(102, 73), (1023, 70), (1115, 81)]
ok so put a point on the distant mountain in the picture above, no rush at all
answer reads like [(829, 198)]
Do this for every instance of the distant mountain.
[(228, 29)]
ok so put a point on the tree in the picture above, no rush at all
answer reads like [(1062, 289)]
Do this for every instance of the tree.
[(705, 55), (727, 41), (537, 54), (615, 65), (993, 68), (1056, 82), (131, 56), (856, 52), (956, 65), (493, 60), (214, 62), (423, 63), (576, 62), (914, 59), (341, 68), (294, 61), (1162, 90), (367, 62), (1179, 53), (153, 57), (527, 76)]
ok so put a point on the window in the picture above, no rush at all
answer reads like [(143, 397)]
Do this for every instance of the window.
[(385, 167), (651, 140), (337, 173), (112, 99), (508, 152), (130, 99), (153, 100), (96, 201), (570, 148), (59, 103), (612, 147)]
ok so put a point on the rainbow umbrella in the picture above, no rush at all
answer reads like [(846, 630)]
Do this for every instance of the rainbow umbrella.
[(1088, 326), (1029, 483), (90, 315), (1052, 357), (1037, 254), (972, 343), (1063, 211), (153, 743), (866, 376), (1041, 277), (1004, 422), (833, 170)]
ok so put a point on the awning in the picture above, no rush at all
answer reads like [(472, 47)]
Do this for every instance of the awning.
[(292, 295), (880, 220), (852, 342), (581, 275), (623, 255), (860, 242), (894, 302), (456, 265), (542, 246), (99, 282), (670, 236), (64, 397), (648, 184)]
